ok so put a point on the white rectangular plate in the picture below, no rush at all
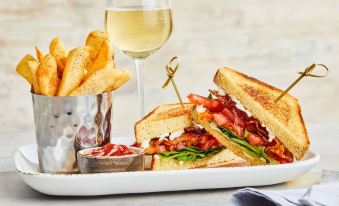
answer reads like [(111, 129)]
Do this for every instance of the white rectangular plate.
[(25, 159)]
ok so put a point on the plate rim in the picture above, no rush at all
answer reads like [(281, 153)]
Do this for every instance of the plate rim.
[(313, 160)]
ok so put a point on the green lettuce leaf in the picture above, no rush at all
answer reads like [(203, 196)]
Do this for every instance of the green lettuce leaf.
[(190, 153), (253, 151)]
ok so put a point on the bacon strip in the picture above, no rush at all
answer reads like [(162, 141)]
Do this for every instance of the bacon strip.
[(193, 136)]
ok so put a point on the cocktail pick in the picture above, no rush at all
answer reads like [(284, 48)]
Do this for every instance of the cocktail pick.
[(170, 73), (306, 73)]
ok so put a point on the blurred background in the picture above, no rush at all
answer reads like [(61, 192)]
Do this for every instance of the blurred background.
[(270, 40)]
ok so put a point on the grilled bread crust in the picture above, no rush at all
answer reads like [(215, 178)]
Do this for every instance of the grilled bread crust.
[(226, 142), (224, 158), (164, 118), (283, 118)]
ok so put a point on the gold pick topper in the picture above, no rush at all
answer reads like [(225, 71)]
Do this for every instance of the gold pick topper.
[(170, 73), (306, 73)]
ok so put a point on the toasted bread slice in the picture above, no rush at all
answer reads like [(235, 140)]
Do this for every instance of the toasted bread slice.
[(282, 118), (165, 118), (225, 158), (226, 142)]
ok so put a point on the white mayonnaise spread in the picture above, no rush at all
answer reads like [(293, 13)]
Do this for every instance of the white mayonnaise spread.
[(240, 106), (271, 136), (176, 134), (200, 109), (156, 157), (221, 91), (162, 136), (171, 136), (198, 125), (145, 144)]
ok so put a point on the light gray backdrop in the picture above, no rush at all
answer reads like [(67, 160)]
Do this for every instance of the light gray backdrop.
[(270, 40)]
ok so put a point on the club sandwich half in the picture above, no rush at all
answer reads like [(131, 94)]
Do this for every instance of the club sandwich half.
[(243, 117), (173, 141)]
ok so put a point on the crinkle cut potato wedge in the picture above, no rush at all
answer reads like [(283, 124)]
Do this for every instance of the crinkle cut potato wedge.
[(47, 75), (103, 59), (33, 68), (23, 69), (95, 40), (58, 50), (39, 54), (73, 74), (102, 81)]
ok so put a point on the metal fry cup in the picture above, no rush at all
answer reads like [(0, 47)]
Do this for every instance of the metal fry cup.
[(66, 124)]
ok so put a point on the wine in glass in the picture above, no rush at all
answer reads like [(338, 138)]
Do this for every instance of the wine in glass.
[(139, 28)]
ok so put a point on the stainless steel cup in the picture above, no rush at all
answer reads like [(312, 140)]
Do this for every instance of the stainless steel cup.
[(65, 125)]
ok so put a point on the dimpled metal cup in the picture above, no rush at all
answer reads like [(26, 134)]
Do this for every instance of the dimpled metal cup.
[(65, 125)]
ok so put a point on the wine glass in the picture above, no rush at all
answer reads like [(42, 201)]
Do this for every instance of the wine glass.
[(139, 28)]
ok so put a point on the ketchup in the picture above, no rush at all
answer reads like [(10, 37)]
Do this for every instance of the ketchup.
[(111, 150)]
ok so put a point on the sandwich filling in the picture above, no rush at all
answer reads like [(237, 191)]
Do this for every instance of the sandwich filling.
[(193, 144), (227, 115)]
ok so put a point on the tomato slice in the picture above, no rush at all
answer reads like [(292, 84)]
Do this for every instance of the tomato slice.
[(220, 119), (197, 99), (229, 114), (238, 130), (254, 139), (214, 105)]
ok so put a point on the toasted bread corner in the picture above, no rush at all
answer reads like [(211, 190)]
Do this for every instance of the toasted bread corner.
[(163, 119), (283, 118)]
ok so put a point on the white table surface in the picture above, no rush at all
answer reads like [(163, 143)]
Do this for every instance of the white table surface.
[(324, 140)]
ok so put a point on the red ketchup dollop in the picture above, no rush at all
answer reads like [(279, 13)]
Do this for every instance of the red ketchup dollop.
[(111, 150)]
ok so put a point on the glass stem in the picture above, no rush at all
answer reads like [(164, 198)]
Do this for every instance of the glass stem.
[(139, 70)]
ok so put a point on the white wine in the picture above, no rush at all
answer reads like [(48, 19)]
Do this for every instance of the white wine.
[(138, 32)]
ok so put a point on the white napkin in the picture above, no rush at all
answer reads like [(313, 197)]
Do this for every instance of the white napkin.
[(326, 193)]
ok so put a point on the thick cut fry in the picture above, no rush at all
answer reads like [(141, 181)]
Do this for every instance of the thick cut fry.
[(101, 81), (95, 40), (104, 59), (63, 60), (124, 77), (58, 50), (33, 67), (77, 60), (23, 69), (47, 74), (39, 54)]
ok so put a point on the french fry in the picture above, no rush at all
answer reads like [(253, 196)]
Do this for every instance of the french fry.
[(47, 75), (58, 50), (103, 59), (125, 75), (95, 40), (77, 60), (33, 67), (39, 54), (23, 69), (63, 60), (85, 70), (101, 81)]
